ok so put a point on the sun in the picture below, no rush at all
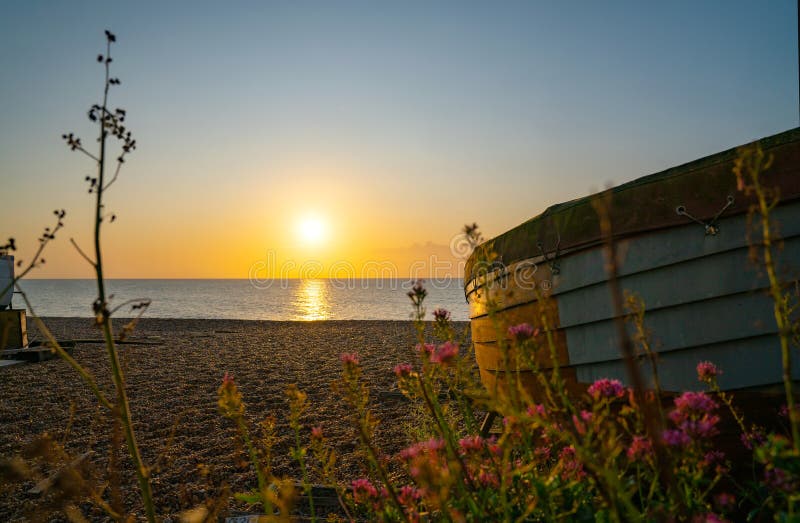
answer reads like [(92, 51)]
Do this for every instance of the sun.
[(312, 230)]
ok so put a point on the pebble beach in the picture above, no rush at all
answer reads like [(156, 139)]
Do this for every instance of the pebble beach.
[(174, 368)]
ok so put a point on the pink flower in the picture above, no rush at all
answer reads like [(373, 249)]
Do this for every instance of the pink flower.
[(571, 468), (409, 453), (713, 457), (537, 409), (349, 358), (427, 348), (580, 428), (403, 370), (445, 353), (692, 415), (488, 479), (363, 490), (471, 443), (700, 428), (697, 402), (418, 449), (426, 463), (707, 371), (675, 438), (316, 433), (640, 448), (229, 399), (606, 388), (752, 439), (409, 495), (542, 452), (522, 332), (433, 444)]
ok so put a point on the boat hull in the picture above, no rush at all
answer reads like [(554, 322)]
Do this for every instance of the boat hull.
[(705, 300)]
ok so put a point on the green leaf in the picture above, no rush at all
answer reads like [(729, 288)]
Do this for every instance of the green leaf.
[(248, 497)]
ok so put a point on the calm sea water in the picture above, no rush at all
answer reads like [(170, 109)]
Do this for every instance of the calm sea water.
[(301, 300)]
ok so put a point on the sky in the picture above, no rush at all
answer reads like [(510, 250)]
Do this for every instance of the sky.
[(389, 125)]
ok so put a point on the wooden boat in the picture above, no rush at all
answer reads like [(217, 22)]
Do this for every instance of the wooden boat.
[(682, 236)]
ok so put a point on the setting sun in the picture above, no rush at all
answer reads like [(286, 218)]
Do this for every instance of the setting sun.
[(312, 230)]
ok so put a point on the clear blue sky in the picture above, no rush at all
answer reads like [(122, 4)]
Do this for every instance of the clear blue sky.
[(397, 123)]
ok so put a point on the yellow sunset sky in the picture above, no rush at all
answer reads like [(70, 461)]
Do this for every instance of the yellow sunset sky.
[(392, 125)]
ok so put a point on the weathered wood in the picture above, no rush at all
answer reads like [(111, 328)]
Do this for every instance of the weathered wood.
[(28, 354), (486, 425), (6, 279), (493, 327), (13, 329), (522, 283), (506, 384), (37, 351)]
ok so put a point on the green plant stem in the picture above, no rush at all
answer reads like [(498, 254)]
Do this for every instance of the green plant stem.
[(358, 398), (779, 306), (748, 168), (122, 406), (123, 410), (637, 315), (726, 399), (251, 450), (373, 455), (304, 472), (444, 429), (556, 368)]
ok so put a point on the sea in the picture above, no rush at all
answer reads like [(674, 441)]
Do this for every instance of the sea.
[(279, 300)]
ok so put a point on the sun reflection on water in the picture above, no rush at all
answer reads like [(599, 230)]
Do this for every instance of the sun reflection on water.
[(311, 300)]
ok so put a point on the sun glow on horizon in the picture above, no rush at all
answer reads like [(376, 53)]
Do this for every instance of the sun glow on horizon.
[(312, 230)]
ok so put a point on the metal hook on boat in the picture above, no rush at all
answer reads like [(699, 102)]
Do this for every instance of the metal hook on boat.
[(484, 271), (554, 267), (711, 227)]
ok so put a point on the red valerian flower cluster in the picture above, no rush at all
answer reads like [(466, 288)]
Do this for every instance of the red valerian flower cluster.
[(606, 388)]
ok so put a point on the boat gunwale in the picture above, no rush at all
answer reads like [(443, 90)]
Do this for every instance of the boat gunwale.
[(621, 276)]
